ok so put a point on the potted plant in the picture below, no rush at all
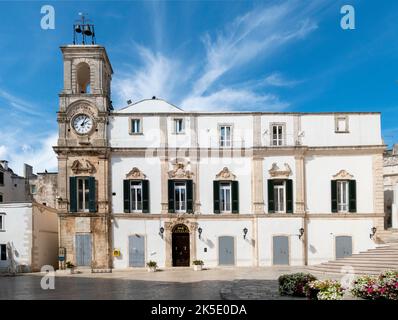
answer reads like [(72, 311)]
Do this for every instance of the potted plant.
[(70, 267), (197, 265), (152, 266)]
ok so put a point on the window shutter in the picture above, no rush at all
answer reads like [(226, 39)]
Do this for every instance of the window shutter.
[(92, 207), (126, 196), (189, 185), (171, 195), (145, 196), (289, 196), (235, 196), (352, 190), (216, 196), (334, 195), (271, 204), (72, 194)]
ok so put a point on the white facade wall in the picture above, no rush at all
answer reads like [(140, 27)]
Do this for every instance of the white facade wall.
[(154, 244), (122, 165), (210, 167), (319, 130), (319, 172), (18, 232), (270, 227), (322, 234)]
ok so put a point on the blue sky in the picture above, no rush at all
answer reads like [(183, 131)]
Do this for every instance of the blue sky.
[(200, 55)]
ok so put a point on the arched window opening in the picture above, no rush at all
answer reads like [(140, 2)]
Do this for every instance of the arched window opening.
[(83, 78)]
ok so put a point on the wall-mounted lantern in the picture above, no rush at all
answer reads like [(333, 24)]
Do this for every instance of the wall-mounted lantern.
[(374, 229), (200, 230), (301, 232), (161, 231), (245, 233)]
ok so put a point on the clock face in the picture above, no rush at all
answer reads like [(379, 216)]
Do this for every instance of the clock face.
[(82, 124)]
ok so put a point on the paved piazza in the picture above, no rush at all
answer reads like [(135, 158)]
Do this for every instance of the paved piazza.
[(174, 284)]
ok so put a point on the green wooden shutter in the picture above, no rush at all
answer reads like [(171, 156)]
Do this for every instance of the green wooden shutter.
[(334, 195), (235, 196), (171, 196), (216, 196), (189, 185), (352, 191), (92, 205), (145, 196), (289, 196), (126, 196), (271, 202), (72, 194)]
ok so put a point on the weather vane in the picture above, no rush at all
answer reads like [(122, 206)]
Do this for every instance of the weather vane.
[(84, 28)]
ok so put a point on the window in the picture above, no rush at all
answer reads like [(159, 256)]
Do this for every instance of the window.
[(33, 189), (225, 197), (83, 192), (3, 252), (342, 196), (1, 178), (180, 195), (277, 138), (279, 197), (225, 136), (135, 126), (2, 222), (1, 197), (341, 124), (178, 126), (136, 196), (180, 198)]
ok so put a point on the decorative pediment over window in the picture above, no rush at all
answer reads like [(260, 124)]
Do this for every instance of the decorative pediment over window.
[(82, 166), (136, 173), (225, 174), (283, 173), (180, 171), (343, 175)]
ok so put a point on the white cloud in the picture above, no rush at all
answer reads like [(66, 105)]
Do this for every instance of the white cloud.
[(277, 80), (198, 85), (38, 154)]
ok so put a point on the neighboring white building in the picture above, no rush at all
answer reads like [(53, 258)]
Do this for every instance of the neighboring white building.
[(154, 182), (28, 236)]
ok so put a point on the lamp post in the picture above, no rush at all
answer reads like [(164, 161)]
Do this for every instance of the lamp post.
[(373, 230), (301, 232), (245, 233), (161, 231), (200, 230)]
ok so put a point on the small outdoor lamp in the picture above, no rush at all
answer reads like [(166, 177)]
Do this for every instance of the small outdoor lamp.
[(200, 232), (245, 233), (374, 229), (161, 231), (301, 231)]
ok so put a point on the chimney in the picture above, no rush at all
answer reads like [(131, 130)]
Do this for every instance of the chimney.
[(4, 164)]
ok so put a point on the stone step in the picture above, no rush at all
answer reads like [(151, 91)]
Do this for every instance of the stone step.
[(338, 269), (362, 264)]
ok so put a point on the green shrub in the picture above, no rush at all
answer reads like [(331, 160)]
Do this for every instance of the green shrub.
[(152, 264), (197, 263), (381, 287), (324, 290), (293, 284)]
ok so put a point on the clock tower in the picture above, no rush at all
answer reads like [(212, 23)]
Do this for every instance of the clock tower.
[(83, 157)]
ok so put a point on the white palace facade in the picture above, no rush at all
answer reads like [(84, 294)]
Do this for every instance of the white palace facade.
[(154, 182)]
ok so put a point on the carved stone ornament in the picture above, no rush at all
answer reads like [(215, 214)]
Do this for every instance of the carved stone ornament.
[(136, 173), (180, 172), (170, 225), (276, 172), (225, 174), (344, 175), (82, 166)]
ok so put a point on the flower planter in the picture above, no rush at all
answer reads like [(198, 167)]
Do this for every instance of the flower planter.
[(152, 269), (197, 267), (70, 270)]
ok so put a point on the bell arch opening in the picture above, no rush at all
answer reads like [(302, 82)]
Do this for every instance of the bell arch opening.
[(83, 77)]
